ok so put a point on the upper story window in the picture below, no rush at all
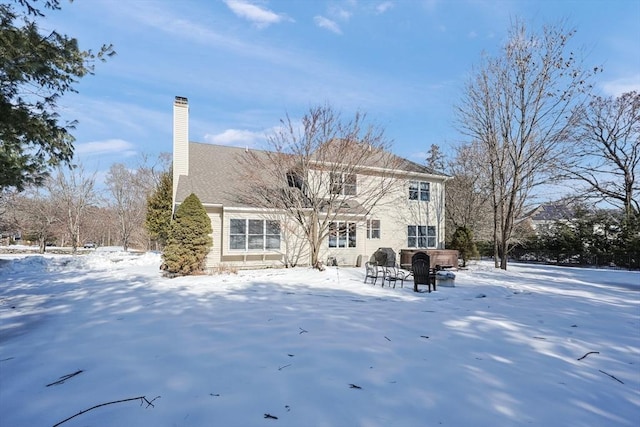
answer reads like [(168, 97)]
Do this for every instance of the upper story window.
[(254, 234), (295, 180), (342, 234), (343, 183), (419, 190), (373, 229), (421, 236)]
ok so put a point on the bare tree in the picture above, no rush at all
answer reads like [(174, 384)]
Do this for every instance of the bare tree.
[(7, 216), (128, 199), (317, 171), (73, 192), (38, 215), (517, 106), (607, 150), (468, 194)]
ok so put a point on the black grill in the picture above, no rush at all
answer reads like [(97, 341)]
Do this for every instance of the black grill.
[(385, 257)]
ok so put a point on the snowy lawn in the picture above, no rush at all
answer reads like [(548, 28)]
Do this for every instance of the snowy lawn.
[(535, 345)]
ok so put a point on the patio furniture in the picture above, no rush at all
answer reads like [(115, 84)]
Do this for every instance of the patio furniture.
[(393, 274), (372, 271), (383, 264), (421, 271), (384, 257)]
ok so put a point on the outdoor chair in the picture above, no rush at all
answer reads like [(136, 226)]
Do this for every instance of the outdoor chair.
[(371, 271), (392, 274), (421, 271)]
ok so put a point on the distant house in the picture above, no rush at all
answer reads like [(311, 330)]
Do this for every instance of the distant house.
[(245, 236), (544, 216)]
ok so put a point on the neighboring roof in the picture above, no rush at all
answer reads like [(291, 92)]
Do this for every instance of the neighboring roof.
[(550, 212), (214, 172)]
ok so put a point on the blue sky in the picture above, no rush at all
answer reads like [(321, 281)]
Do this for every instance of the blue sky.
[(245, 64)]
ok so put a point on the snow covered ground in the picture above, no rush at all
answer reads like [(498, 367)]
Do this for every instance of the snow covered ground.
[(535, 345)]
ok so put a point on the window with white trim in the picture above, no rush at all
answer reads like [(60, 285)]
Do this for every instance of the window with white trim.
[(254, 234), (342, 234), (373, 229), (343, 183), (419, 190), (421, 236)]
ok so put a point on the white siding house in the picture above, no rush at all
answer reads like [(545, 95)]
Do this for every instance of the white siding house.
[(409, 216)]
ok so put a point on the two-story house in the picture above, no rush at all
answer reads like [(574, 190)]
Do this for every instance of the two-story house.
[(407, 214)]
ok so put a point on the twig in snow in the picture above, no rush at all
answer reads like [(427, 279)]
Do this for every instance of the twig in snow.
[(302, 331), (355, 386), (610, 376), (387, 338), (424, 336), (65, 377), (271, 417), (142, 400), (282, 367), (591, 352)]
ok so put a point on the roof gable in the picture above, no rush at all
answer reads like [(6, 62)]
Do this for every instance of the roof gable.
[(215, 175)]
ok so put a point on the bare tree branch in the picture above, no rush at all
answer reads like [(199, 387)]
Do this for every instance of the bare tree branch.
[(317, 171), (517, 106), (142, 400), (606, 151)]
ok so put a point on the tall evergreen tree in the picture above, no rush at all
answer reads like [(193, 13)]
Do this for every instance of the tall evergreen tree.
[(436, 159), (189, 240), (36, 69), (159, 210), (462, 240)]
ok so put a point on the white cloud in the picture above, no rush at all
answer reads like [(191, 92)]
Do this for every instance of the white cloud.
[(109, 146), (327, 24), (340, 13), (384, 7), (259, 16), (623, 85), (472, 35), (235, 137)]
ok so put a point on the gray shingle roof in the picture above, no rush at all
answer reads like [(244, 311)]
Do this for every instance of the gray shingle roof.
[(214, 173)]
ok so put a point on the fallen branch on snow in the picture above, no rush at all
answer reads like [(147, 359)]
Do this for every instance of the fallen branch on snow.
[(610, 376), (65, 377), (142, 400), (591, 352)]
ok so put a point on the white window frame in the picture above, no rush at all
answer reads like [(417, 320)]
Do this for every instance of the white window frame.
[(423, 236), (345, 184), (420, 190), (255, 231), (342, 235), (373, 229)]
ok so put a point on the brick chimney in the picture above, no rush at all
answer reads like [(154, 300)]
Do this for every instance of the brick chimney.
[(180, 140)]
